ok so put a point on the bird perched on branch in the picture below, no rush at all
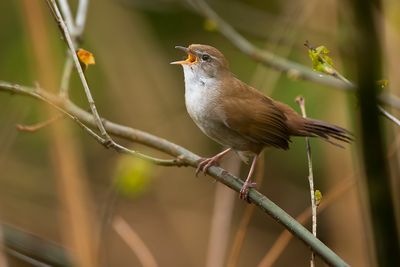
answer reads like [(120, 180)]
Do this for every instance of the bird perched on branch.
[(238, 116)]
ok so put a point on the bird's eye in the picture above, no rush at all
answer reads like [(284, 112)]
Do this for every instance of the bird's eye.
[(205, 57)]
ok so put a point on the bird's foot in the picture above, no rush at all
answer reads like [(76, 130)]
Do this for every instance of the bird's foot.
[(204, 164), (244, 192)]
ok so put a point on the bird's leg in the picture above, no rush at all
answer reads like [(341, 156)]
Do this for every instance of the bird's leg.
[(248, 183), (204, 164)]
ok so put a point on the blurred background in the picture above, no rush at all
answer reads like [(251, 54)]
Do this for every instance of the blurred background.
[(75, 193)]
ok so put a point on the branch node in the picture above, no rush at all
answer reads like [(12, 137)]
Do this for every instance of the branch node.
[(180, 161)]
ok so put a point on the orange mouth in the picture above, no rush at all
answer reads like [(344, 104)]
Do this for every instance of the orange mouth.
[(189, 60)]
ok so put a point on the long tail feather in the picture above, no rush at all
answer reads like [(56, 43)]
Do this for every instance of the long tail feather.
[(327, 131)]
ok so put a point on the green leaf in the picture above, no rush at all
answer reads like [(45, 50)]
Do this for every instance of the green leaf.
[(132, 176), (320, 60)]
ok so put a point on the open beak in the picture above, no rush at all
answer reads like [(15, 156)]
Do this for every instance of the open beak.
[(189, 60)]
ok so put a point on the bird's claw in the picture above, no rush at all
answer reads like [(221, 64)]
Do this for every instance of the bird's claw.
[(204, 164), (244, 191)]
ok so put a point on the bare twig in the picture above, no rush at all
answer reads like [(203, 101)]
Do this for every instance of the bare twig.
[(38, 126), (135, 243), (66, 76), (301, 101), (80, 19), (389, 116), (57, 15), (67, 14), (284, 238), (187, 157)]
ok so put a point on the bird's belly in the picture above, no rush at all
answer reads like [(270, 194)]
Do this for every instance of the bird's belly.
[(205, 118), (224, 136)]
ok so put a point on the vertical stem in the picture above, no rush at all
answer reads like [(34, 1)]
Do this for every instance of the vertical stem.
[(64, 86), (66, 11), (80, 19), (300, 100)]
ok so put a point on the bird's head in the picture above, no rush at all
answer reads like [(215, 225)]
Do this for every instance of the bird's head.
[(203, 60)]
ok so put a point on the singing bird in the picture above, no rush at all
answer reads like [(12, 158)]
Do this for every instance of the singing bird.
[(239, 117)]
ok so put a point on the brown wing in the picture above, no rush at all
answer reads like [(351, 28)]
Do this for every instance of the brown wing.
[(254, 116)]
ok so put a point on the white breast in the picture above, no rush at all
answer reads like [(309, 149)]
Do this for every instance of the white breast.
[(200, 96)]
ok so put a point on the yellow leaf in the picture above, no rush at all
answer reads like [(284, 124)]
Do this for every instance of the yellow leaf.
[(318, 197), (86, 58)]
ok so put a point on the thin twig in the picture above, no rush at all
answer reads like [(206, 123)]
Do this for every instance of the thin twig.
[(135, 243), (80, 19), (67, 14), (187, 157), (284, 238), (66, 76), (389, 116), (301, 101), (38, 126), (57, 15)]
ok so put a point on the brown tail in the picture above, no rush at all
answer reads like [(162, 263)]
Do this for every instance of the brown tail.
[(326, 131)]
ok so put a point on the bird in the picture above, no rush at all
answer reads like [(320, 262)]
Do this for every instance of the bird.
[(238, 116)]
